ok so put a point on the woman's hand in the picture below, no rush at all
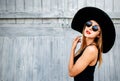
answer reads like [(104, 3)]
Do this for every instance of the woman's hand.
[(75, 42)]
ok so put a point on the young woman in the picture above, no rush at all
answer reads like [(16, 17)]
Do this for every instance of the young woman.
[(98, 35)]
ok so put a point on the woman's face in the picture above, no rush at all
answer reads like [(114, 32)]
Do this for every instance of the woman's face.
[(92, 29)]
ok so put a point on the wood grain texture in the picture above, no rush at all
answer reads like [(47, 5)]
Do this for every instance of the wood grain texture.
[(53, 8), (34, 56)]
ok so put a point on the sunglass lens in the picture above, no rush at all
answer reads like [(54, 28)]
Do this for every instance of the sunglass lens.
[(88, 23), (95, 28)]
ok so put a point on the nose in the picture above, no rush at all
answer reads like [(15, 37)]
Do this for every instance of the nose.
[(90, 28)]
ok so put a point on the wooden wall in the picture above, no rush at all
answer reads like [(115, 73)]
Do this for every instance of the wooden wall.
[(36, 37)]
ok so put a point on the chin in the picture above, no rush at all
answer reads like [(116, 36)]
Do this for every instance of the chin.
[(88, 36)]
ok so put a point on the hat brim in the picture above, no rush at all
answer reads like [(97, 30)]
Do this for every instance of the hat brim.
[(106, 24)]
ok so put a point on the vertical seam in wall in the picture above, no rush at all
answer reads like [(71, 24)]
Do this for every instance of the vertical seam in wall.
[(24, 5), (32, 5), (15, 11), (15, 5), (41, 4), (6, 5)]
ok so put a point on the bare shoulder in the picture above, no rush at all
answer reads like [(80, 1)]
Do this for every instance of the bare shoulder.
[(91, 50)]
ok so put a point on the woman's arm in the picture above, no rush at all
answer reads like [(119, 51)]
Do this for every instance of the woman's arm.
[(72, 54), (86, 58), (71, 61)]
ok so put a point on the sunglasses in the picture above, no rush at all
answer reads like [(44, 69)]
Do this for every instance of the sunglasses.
[(89, 24)]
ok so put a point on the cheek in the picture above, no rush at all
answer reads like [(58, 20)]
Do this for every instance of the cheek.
[(84, 32), (96, 34)]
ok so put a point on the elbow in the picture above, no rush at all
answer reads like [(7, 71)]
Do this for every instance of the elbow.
[(71, 74)]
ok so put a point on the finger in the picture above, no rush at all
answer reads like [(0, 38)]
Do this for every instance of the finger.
[(78, 37), (77, 40)]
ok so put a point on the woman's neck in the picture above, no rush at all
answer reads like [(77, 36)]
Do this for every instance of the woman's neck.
[(89, 41)]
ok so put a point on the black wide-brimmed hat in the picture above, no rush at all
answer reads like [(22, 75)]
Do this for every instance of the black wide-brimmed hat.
[(92, 13)]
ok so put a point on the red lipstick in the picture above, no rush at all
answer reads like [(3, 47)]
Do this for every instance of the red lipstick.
[(88, 32)]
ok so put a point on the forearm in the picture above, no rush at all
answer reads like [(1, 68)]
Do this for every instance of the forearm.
[(71, 61)]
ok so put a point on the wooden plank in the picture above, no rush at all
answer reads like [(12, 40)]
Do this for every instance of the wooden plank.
[(109, 5), (91, 2), (100, 4), (112, 71), (81, 3), (56, 55), (49, 21), (112, 68), (11, 21), (37, 21), (37, 7), (55, 8), (65, 6), (107, 67), (3, 21), (116, 56), (20, 6), (36, 59), (1, 59), (11, 61), (28, 59), (59, 7), (22, 26), (46, 5), (117, 52), (101, 71), (21, 59), (20, 21), (53, 5), (66, 54), (65, 22), (30, 31), (11, 5), (53, 15), (29, 21), (116, 21), (5, 62), (116, 5), (70, 5), (3, 5), (96, 73), (74, 4), (28, 5)]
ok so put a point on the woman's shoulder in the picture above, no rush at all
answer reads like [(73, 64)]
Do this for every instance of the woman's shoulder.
[(92, 48)]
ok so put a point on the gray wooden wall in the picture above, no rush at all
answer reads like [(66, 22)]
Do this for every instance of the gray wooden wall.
[(36, 37)]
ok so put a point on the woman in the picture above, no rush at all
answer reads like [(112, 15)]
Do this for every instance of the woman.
[(98, 37)]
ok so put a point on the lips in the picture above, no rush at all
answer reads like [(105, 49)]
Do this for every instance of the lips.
[(88, 32)]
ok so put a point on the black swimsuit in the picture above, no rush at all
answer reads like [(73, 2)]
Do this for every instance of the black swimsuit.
[(88, 73)]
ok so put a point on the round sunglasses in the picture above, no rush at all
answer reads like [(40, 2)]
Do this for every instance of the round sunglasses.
[(89, 24)]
